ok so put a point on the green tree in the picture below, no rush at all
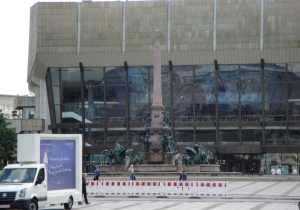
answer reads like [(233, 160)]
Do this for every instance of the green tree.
[(8, 142)]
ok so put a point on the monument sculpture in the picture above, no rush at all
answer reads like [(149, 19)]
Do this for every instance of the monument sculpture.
[(119, 156), (157, 151), (196, 155), (157, 144)]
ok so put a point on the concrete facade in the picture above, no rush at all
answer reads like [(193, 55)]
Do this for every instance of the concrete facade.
[(190, 31)]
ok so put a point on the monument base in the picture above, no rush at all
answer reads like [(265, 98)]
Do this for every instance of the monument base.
[(161, 168), (140, 168), (169, 157), (154, 158), (203, 168), (155, 168), (109, 168)]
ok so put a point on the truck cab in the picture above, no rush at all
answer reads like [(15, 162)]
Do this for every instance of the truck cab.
[(23, 186)]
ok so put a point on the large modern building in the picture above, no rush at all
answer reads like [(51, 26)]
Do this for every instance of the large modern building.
[(230, 74)]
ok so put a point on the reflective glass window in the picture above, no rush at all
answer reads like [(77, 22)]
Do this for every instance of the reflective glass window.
[(294, 136), (71, 95), (293, 72), (56, 94), (94, 103), (139, 94), (276, 137), (253, 136), (288, 162), (228, 136), (71, 108), (116, 136), (251, 110), (272, 161), (205, 136), (54, 76), (70, 76), (137, 110), (250, 73), (138, 75), (93, 76), (64, 115), (28, 113), (228, 89), (94, 137), (226, 109), (275, 92), (115, 101), (274, 73), (165, 80), (276, 109), (251, 92), (183, 75), (182, 90), (186, 135), (136, 135), (115, 75), (228, 74), (294, 100), (205, 90)]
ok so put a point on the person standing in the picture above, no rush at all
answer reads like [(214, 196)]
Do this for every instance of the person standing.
[(290, 170), (179, 176), (278, 171), (84, 175), (96, 174), (131, 173), (261, 171), (273, 171), (184, 176)]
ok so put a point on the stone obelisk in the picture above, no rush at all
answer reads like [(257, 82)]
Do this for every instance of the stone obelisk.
[(156, 153)]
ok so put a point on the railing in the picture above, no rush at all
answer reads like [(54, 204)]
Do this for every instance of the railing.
[(158, 188), (278, 141), (182, 119)]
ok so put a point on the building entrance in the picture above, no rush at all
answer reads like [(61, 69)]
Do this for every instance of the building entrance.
[(243, 166)]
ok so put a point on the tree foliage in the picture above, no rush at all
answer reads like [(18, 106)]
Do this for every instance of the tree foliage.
[(8, 142)]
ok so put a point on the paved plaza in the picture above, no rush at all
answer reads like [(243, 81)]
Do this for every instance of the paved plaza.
[(245, 193)]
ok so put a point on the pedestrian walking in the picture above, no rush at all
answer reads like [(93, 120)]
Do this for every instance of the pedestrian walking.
[(96, 174)]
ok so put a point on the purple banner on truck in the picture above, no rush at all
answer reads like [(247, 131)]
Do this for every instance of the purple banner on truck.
[(59, 158)]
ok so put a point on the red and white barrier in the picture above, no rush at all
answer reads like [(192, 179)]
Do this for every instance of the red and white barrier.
[(158, 188)]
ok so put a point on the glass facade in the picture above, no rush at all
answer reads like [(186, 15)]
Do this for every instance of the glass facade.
[(252, 105)]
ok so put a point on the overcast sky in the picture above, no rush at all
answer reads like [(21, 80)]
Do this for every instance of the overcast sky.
[(14, 36)]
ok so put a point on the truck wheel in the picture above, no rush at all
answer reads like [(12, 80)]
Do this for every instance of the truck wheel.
[(299, 204), (69, 204), (33, 205)]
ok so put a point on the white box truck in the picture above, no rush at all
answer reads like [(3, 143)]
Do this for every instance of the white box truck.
[(49, 172)]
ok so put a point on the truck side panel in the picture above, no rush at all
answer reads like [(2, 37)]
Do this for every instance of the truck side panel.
[(59, 158)]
